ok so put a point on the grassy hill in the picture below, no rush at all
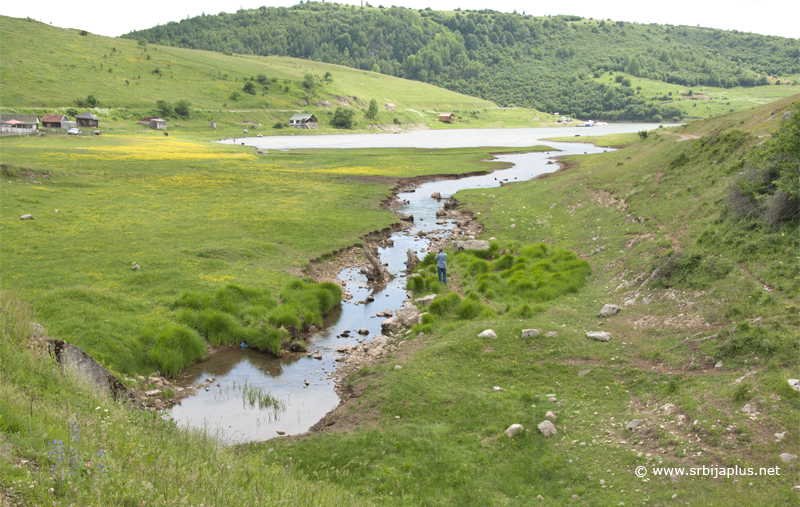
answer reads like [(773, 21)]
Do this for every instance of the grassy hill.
[(48, 69), (549, 63)]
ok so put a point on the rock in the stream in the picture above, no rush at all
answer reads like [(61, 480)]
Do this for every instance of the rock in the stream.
[(529, 333), (608, 310), (513, 430), (547, 428), (599, 335), (489, 333), (363, 330), (297, 347)]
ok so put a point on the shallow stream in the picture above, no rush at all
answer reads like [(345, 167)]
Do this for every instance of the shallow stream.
[(222, 410)]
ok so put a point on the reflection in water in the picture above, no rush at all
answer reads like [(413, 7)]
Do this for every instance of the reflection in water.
[(304, 386)]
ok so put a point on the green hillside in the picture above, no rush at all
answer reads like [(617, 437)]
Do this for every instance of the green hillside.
[(49, 69), (551, 63)]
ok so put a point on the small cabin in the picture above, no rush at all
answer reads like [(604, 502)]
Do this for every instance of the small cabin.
[(154, 122), (303, 121), (56, 121), (87, 119), (447, 117), (389, 106)]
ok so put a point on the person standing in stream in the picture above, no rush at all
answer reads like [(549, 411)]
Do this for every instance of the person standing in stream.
[(441, 265)]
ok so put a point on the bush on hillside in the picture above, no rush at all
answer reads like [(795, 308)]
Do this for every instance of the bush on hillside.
[(769, 189), (344, 117)]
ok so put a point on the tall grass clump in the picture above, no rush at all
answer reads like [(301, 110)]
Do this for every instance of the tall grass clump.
[(177, 347), (536, 274), (235, 314)]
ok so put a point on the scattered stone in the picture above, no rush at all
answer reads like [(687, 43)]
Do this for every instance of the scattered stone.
[(529, 333), (488, 334), (552, 399), (26, 217), (795, 383), (787, 458), (551, 334), (633, 425), (550, 415), (547, 428), (155, 392), (747, 409), (408, 315), (667, 407), (136, 267), (474, 244), (398, 367), (780, 436), (599, 335), (718, 365), (426, 300), (390, 323), (583, 373), (608, 310), (514, 429), (496, 388)]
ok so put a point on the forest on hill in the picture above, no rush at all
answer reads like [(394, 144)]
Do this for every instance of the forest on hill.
[(577, 66)]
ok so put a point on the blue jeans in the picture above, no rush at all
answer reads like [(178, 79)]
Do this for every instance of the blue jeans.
[(442, 272)]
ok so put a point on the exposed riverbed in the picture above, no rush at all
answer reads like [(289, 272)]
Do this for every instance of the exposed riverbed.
[(305, 386)]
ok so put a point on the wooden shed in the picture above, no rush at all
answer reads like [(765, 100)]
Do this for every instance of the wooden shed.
[(87, 119), (447, 117), (154, 122)]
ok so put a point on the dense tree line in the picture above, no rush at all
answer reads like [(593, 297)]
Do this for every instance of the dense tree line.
[(547, 63)]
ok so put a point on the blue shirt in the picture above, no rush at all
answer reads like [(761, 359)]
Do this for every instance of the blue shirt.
[(441, 260)]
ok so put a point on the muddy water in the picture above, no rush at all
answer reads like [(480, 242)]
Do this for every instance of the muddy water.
[(221, 410)]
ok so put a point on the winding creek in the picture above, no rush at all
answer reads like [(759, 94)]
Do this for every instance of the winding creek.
[(219, 406)]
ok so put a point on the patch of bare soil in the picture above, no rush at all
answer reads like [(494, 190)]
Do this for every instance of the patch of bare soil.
[(683, 137)]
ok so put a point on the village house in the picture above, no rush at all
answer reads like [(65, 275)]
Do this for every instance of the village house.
[(154, 122), (57, 121), (19, 123), (303, 121), (447, 117), (389, 106), (87, 119)]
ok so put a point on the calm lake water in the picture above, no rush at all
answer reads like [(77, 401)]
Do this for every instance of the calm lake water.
[(456, 138), (222, 411)]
